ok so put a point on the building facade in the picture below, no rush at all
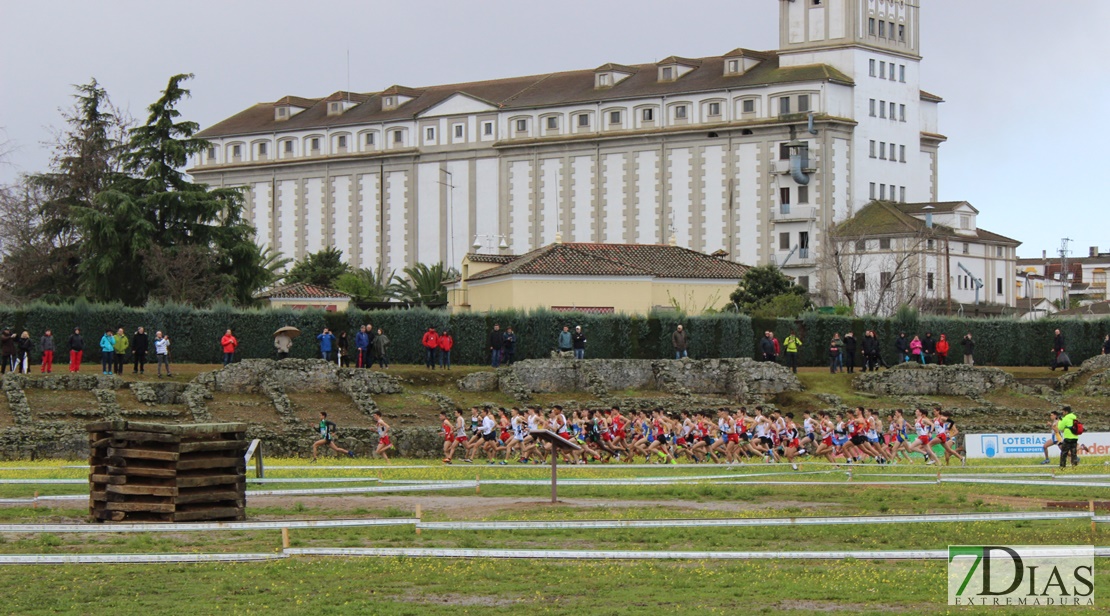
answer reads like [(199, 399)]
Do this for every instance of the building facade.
[(930, 255), (727, 153)]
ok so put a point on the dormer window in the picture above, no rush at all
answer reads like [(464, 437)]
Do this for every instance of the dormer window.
[(389, 103), (335, 108), (609, 75), (604, 80), (666, 73), (733, 67), (281, 113)]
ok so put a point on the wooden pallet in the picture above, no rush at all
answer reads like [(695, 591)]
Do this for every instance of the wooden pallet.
[(148, 472)]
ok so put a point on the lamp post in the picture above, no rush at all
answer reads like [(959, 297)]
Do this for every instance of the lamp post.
[(488, 239)]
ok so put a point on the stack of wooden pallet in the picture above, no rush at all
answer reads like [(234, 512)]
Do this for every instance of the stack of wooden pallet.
[(146, 472)]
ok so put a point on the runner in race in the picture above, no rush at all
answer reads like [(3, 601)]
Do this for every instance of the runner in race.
[(1054, 436), (328, 435), (384, 442), (448, 437)]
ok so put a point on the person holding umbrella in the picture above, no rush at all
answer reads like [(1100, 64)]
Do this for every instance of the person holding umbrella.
[(283, 340)]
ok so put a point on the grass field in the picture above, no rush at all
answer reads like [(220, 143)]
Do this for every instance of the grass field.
[(353, 585)]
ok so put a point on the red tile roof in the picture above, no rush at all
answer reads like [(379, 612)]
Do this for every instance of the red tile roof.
[(301, 290), (582, 259)]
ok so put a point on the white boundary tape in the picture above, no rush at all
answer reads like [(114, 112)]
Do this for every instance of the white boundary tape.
[(75, 559), (202, 526), (364, 490), (733, 522), (1055, 483)]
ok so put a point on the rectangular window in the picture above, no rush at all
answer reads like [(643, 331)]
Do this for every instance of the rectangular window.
[(341, 141), (733, 66), (882, 29), (882, 70), (931, 244), (998, 251), (749, 106), (902, 73), (429, 134), (315, 143), (999, 286), (930, 280), (893, 158), (901, 153), (872, 102), (803, 195), (892, 71), (871, 67), (552, 123), (398, 136), (784, 105), (784, 151), (967, 248), (803, 244), (902, 33), (884, 243), (680, 112), (521, 126), (872, 193), (859, 282), (882, 150), (288, 147), (885, 278), (784, 241), (487, 128), (668, 73), (236, 151), (784, 196), (872, 148), (605, 80), (458, 131), (861, 245), (583, 119), (882, 109), (803, 282), (714, 109), (882, 192), (262, 149), (902, 194), (648, 115), (614, 117), (211, 155), (369, 138), (891, 29), (902, 113), (803, 102), (871, 26), (892, 110)]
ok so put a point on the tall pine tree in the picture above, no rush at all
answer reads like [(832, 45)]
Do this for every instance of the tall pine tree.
[(154, 234)]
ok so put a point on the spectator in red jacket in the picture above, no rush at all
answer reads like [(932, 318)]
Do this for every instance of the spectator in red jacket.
[(229, 344), (446, 343), (431, 347)]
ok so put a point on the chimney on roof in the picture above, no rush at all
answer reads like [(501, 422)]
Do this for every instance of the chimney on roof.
[(929, 216), (673, 241), (558, 237), (1094, 251), (1044, 254)]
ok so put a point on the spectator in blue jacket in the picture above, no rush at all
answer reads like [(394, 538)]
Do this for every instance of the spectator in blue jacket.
[(107, 351), (327, 344), (362, 344)]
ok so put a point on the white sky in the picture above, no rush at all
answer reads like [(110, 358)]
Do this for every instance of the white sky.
[(1019, 76)]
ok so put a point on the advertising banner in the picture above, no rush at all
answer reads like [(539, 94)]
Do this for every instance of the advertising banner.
[(1029, 445)]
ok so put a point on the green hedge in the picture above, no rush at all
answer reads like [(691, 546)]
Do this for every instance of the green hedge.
[(196, 332)]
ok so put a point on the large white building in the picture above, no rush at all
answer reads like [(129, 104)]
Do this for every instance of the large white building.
[(726, 153)]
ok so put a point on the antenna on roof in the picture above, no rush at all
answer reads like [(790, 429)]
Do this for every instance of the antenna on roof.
[(348, 74)]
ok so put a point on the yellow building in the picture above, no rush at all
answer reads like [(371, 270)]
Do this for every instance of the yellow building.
[(595, 278), (302, 296)]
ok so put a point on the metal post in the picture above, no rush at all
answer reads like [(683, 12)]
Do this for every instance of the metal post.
[(554, 474)]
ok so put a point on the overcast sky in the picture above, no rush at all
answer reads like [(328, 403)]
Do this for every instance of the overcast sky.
[(1020, 77)]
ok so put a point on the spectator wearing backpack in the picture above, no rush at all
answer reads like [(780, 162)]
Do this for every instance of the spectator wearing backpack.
[(327, 436), (1070, 428)]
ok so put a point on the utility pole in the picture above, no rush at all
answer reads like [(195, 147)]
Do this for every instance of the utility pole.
[(1064, 271)]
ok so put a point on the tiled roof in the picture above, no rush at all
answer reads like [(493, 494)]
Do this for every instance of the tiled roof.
[(939, 207), (654, 260), (1095, 308), (880, 218), (477, 257), (301, 290), (566, 88)]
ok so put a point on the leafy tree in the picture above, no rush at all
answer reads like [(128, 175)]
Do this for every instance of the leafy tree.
[(86, 159), (787, 305), (319, 268), (423, 285), (367, 284), (153, 204), (762, 284)]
